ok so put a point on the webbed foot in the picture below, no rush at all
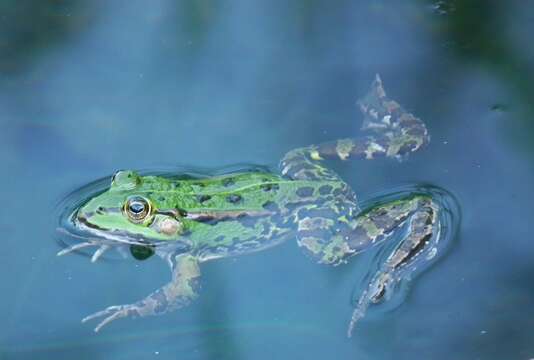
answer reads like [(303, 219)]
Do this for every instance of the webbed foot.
[(398, 132), (114, 312)]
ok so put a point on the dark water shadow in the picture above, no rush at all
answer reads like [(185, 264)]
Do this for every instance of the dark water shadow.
[(469, 30), (28, 29)]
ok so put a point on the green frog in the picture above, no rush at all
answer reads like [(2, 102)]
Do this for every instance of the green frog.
[(189, 221)]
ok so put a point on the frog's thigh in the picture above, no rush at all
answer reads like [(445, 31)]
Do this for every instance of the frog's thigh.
[(299, 164), (323, 231), (333, 233)]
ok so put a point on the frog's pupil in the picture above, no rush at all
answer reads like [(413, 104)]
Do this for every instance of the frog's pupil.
[(137, 207)]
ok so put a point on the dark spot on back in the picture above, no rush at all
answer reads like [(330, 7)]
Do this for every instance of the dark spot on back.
[(271, 206), (219, 238), (202, 198), (161, 198), (228, 182), (306, 191), (233, 198), (269, 187), (325, 189)]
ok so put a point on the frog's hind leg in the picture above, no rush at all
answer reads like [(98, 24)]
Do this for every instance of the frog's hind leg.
[(414, 251), (391, 132), (180, 292), (333, 231), (331, 235)]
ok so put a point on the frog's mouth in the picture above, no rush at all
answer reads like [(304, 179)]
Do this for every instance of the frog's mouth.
[(78, 233), (88, 235), (83, 225)]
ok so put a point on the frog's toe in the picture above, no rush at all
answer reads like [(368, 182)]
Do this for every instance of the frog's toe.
[(112, 313)]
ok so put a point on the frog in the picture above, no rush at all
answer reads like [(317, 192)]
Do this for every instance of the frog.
[(188, 221)]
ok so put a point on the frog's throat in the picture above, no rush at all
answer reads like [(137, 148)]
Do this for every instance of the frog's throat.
[(103, 244), (93, 236)]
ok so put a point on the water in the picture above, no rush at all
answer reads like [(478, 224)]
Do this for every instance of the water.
[(87, 88)]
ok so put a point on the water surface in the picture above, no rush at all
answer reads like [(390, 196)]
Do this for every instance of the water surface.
[(87, 88)]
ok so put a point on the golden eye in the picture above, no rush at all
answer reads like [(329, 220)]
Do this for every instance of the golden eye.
[(137, 208)]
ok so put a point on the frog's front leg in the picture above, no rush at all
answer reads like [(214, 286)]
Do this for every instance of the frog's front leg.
[(179, 292)]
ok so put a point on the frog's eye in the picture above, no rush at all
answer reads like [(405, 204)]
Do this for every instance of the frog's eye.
[(137, 208)]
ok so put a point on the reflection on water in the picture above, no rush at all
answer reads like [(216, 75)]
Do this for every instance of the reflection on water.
[(87, 88)]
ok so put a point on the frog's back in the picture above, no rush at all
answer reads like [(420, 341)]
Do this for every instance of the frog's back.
[(243, 212), (255, 191)]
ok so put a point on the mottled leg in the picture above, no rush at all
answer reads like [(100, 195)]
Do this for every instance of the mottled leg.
[(181, 291), (415, 250), (331, 235), (334, 232), (392, 132)]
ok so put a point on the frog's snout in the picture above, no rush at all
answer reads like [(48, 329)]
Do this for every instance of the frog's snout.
[(81, 218)]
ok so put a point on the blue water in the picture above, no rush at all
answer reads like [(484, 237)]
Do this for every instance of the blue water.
[(87, 88)]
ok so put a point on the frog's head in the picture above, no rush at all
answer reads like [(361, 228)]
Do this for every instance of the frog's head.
[(125, 214)]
